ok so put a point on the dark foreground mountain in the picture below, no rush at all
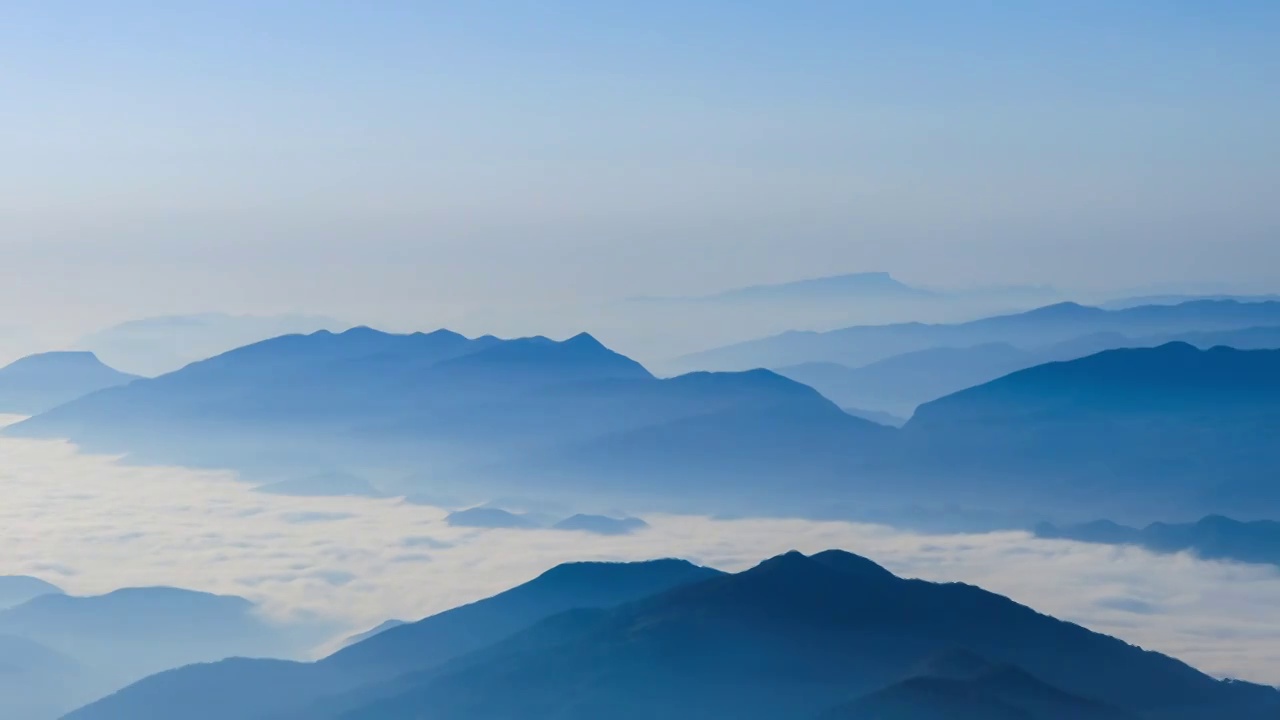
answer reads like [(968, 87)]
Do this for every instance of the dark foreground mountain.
[(860, 345), (39, 382), (1143, 432), (252, 689), (1213, 537), (485, 414), (793, 638)]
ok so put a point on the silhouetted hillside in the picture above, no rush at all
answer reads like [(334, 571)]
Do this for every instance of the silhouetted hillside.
[(39, 382), (253, 689), (1166, 427), (440, 405), (794, 637)]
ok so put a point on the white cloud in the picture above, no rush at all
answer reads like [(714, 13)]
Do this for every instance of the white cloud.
[(93, 525)]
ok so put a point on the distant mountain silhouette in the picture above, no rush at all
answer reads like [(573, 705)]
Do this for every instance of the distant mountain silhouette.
[(901, 383), (861, 345), (157, 345), (17, 589), (482, 414), (1178, 299), (602, 525), (1213, 537), (40, 382), (488, 517), (862, 285), (259, 689), (1161, 429), (131, 633), (795, 637)]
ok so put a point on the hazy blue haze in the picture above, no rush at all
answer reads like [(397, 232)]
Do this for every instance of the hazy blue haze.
[(471, 164)]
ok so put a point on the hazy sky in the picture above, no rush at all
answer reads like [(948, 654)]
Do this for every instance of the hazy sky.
[(397, 161)]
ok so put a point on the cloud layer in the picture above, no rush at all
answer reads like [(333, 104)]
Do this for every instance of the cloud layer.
[(91, 525)]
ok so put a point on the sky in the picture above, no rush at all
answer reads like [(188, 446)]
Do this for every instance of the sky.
[(91, 525), (408, 163)]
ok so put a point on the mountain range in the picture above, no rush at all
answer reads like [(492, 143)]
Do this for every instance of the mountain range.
[(36, 383), (901, 383), (1213, 537), (242, 689), (861, 345), (831, 635), (571, 412)]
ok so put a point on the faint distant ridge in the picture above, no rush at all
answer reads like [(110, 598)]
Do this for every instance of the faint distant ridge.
[(1057, 323), (1213, 537), (156, 345), (37, 383), (851, 285), (17, 589)]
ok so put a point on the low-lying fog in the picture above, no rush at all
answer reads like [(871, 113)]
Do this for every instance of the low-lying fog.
[(91, 525)]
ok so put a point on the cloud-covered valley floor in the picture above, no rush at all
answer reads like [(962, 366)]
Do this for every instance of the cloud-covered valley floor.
[(92, 525)]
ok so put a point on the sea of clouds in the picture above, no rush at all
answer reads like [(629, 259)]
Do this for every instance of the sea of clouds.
[(91, 524)]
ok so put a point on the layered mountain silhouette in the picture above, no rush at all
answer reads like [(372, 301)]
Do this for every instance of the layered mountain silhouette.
[(860, 345), (79, 648), (901, 383), (17, 589), (1213, 537), (489, 517), (601, 524), (567, 413), (795, 636), (37, 383), (1157, 428), (252, 689), (824, 636)]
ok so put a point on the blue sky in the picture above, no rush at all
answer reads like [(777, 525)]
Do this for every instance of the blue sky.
[(398, 161)]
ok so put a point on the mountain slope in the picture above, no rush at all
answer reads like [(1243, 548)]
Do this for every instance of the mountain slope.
[(1175, 425), (251, 689), (792, 637), (40, 382)]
